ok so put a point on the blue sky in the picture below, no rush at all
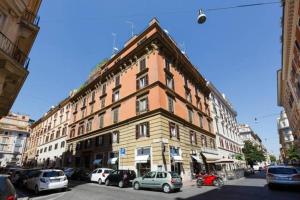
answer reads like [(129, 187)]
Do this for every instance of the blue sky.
[(239, 50)]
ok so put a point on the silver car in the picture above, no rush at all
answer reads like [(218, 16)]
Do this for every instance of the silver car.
[(282, 175)]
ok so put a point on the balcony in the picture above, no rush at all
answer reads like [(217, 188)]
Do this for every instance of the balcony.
[(13, 51), (209, 150), (31, 18)]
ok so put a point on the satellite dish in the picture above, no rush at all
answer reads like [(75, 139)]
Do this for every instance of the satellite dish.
[(201, 17)]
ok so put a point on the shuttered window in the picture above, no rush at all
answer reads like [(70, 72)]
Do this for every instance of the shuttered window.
[(174, 130), (142, 130), (142, 105)]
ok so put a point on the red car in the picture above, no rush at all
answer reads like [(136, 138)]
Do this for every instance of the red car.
[(209, 180)]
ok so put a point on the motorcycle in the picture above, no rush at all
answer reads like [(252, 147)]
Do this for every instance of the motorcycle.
[(209, 180)]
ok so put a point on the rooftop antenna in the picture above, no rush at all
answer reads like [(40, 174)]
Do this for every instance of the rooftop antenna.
[(132, 27), (115, 49), (182, 46)]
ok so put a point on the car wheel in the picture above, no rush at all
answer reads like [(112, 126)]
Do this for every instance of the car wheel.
[(107, 182), (199, 182), (64, 189), (166, 188), (216, 183), (100, 181), (36, 190), (121, 184), (136, 186)]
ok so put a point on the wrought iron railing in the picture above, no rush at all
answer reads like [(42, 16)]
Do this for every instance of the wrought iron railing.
[(31, 18), (13, 51)]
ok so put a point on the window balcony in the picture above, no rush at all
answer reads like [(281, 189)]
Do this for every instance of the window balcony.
[(31, 18), (13, 51)]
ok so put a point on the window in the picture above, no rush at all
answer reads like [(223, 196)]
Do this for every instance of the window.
[(221, 143), (150, 175), (167, 64), (52, 136), (217, 125), (55, 146), (116, 96), (174, 130), (142, 130), (93, 96), (62, 144), (115, 113), (203, 141), (89, 125), (72, 133), (103, 102), (142, 64), (190, 115), (170, 104), (2, 19), (50, 148), (99, 140), (45, 149), (185, 81), (209, 125), (83, 113), (170, 82), (60, 119), (200, 120), (193, 137), (58, 133), (41, 151), (117, 80), (142, 82), (142, 105), (143, 151), (101, 121), (104, 89), (188, 96), (84, 102), (115, 137), (212, 143), (81, 129), (64, 131), (174, 151)]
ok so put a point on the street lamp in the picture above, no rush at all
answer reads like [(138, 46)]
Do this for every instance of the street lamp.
[(201, 17)]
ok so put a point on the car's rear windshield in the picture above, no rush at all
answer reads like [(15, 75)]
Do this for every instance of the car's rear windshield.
[(282, 170), (174, 175), (53, 174)]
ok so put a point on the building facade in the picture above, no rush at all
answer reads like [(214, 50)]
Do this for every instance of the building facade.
[(18, 30), (289, 75), (14, 130), (226, 129), (146, 108), (47, 142), (286, 138)]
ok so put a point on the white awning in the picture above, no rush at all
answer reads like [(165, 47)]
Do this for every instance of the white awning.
[(177, 158), (198, 159), (210, 158), (142, 159), (112, 161), (224, 160)]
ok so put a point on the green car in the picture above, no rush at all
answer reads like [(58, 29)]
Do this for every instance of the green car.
[(165, 181)]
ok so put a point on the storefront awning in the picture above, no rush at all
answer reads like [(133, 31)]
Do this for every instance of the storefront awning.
[(97, 162), (224, 160), (176, 158), (112, 161), (197, 158), (142, 159), (210, 158)]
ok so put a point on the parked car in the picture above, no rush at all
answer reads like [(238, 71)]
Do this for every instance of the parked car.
[(23, 176), (49, 179), (282, 175), (256, 167), (69, 172), (165, 181), (79, 174), (100, 174), (121, 178), (7, 190)]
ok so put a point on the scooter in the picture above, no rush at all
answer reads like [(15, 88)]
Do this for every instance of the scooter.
[(209, 180)]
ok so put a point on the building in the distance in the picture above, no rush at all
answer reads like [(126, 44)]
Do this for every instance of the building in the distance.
[(47, 142), (288, 84), (147, 108), (247, 134), (286, 138), (14, 130), (228, 139), (18, 30)]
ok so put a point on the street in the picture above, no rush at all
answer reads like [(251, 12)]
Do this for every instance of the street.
[(253, 187)]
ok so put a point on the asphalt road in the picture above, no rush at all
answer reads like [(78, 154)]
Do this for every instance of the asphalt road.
[(243, 189)]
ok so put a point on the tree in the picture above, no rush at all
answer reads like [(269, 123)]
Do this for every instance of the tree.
[(253, 153), (272, 158), (238, 156), (292, 153)]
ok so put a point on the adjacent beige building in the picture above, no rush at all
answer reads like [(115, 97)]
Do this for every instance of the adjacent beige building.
[(14, 130), (18, 30)]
